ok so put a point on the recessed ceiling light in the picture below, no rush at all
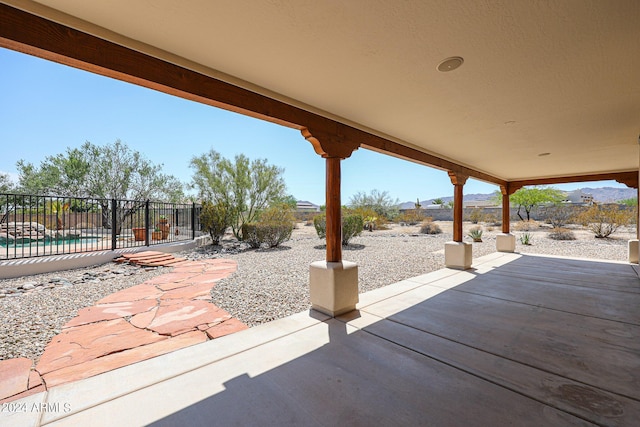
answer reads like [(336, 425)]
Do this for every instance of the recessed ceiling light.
[(544, 154), (450, 64)]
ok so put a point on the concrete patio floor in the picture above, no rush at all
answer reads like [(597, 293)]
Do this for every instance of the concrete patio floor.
[(518, 340)]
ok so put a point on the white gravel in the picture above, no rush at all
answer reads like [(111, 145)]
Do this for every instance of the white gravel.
[(269, 284)]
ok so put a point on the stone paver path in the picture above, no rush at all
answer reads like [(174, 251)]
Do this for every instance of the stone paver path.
[(161, 315)]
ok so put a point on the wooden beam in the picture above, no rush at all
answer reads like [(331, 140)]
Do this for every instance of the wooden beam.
[(629, 178), (27, 33)]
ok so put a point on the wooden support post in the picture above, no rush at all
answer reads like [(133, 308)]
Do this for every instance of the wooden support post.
[(334, 208), (333, 283), (334, 148), (506, 213), (457, 213), (458, 180)]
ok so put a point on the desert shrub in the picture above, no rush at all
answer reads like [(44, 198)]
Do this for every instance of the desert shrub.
[(525, 225), (476, 215), (271, 234), (559, 233), (278, 213), (251, 234), (274, 227), (411, 217), (559, 215), (492, 219), (476, 234), (214, 220), (526, 238), (320, 224), (372, 221), (605, 220), (430, 227), (352, 225)]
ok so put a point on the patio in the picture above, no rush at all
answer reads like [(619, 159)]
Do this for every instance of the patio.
[(517, 340)]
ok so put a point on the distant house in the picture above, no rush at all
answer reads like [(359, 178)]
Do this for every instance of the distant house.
[(479, 204), (304, 206), (578, 197)]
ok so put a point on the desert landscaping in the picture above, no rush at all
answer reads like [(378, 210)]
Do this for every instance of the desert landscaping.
[(270, 283)]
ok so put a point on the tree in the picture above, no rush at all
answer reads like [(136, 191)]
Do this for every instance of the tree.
[(101, 172), (379, 201), (110, 171), (288, 200), (438, 201), (632, 202), (6, 184), (529, 198), (244, 187), (7, 203)]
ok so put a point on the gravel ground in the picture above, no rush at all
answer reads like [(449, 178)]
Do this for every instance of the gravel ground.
[(28, 320), (270, 283)]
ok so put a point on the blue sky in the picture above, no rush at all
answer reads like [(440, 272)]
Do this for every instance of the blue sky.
[(46, 107)]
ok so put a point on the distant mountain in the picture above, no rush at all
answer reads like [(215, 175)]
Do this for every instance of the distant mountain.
[(602, 195), (610, 194)]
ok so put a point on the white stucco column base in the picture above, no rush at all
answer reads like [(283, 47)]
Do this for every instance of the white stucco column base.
[(634, 251), (458, 255), (505, 242), (333, 286)]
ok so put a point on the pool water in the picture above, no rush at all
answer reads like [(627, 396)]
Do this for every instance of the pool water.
[(83, 241)]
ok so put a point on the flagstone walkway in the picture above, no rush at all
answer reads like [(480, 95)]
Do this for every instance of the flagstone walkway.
[(161, 315)]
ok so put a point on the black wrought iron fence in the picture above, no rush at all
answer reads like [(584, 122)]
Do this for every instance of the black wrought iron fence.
[(33, 226)]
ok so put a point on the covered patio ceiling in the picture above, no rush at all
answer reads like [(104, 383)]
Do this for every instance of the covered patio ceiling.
[(546, 90)]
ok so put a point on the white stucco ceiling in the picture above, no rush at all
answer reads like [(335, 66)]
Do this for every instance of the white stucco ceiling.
[(538, 76)]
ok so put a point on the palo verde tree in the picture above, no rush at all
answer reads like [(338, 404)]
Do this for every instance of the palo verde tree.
[(529, 198), (102, 172), (244, 187), (378, 201)]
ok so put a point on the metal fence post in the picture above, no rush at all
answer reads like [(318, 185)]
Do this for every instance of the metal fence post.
[(146, 223), (114, 220), (193, 221)]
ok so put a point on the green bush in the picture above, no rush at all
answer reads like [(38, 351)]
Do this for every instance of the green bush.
[(214, 220), (274, 227), (429, 227), (320, 224), (352, 225), (271, 234)]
